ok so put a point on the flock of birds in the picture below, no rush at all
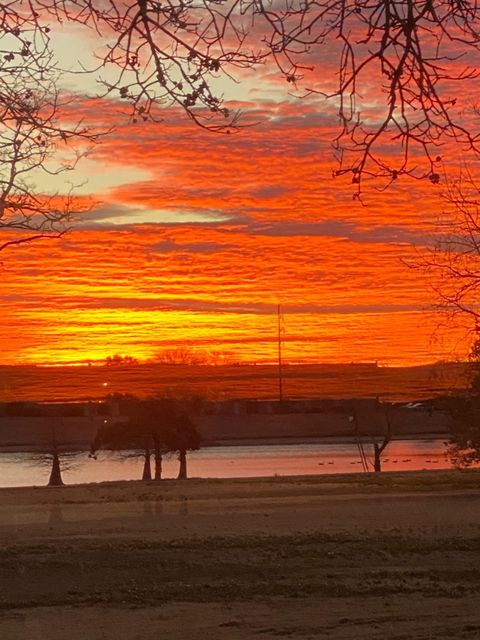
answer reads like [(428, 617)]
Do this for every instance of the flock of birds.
[(385, 461)]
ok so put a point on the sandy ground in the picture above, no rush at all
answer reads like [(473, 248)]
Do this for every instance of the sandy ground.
[(344, 557)]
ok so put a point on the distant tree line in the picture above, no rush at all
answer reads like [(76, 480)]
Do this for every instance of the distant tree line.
[(176, 356)]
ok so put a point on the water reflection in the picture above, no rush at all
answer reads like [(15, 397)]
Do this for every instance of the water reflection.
[(148, 513), (17, 469)]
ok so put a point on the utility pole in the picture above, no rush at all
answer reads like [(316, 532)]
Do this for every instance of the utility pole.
[(280, 381)]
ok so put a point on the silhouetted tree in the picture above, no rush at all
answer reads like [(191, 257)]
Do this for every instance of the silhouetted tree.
[(51, 449), (56, 473), (453, 261), (464, 445), (37, 138), (58, 458), (147, 468), (152, 425), (118, 360), (155, 420), (365, 420), (184, 355), (182, 438), (180, 355), (124, 436), (464, 411), (379, 447)]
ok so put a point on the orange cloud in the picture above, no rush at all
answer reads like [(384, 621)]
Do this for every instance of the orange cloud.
[(221, 230)]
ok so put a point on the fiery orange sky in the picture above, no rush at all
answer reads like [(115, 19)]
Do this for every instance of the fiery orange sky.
[(195, 237)]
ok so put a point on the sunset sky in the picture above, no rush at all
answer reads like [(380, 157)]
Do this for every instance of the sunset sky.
[(194, 238)]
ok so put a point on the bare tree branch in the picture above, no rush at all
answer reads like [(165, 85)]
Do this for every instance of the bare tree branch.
[(398, 62)]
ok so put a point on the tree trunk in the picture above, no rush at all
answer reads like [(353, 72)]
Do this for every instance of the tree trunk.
[(158, 461), (182, 457), (56, 473), (378, 449), (147, 470)]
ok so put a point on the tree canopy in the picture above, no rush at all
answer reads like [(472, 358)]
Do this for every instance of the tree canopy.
[(157, 425), (148, 421)]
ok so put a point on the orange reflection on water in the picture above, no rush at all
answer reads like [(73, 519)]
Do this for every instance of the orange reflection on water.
[(235, 462)]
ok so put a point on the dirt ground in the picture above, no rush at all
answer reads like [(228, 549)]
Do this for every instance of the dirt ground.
[(344, 557)]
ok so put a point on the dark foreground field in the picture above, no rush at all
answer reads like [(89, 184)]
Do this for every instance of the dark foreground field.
[(394, 557)]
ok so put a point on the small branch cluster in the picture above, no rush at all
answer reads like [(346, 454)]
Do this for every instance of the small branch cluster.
[(166, 53)]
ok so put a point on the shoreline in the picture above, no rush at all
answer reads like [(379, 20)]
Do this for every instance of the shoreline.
[(84, 446), (441, 480)]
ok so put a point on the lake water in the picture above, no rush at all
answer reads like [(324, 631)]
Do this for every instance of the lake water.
[(18, 469)]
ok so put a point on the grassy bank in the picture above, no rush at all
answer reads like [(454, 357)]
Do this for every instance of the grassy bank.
[(247, 488)]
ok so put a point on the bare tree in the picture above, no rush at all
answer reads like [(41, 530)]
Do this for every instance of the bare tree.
[(49, 444), (463, 410), (464, 446), (185, 355), (27, 145), (124, 437), (118, 360), (157, 54), (57, 456), (154, 426), (183, 437), (371, 420), (180, 355), (452, 259), (33, 129), (453, 264), (413, 51), (147, 430), (379, 445)]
